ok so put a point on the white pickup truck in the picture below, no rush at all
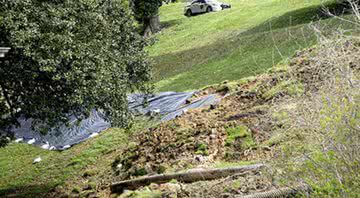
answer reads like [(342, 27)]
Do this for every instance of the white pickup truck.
[(202, 6)]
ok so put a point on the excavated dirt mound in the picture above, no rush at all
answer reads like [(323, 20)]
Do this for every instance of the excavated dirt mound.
[(237, 128), (200, 136)]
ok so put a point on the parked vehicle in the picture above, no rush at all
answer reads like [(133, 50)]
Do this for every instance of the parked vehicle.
[(203, 6)]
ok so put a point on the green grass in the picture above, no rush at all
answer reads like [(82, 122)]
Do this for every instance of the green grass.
[(190, 53), (239, 132), (290, 87), (224, 164), (20, 177), (146, 193), (228, 45)]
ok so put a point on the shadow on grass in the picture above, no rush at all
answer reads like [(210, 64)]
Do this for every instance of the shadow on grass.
[(258, 41), (301, 17), (170, 23), (27, 191)]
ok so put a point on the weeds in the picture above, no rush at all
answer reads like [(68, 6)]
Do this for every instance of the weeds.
[(322, 146)]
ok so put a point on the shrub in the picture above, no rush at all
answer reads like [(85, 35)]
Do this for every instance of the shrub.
[(69, 57), (323, 131)]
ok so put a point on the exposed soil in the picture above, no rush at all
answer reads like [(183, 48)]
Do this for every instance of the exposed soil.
[(200, 137), (174, 145)]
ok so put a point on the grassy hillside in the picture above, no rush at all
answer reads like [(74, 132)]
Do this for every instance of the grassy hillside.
[(231, 44), (19, 176), (189, 53)]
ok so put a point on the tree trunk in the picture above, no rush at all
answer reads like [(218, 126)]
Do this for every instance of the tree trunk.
[(186, 177), (151, 25)]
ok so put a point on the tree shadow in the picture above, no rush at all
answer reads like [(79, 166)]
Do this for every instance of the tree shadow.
[(27, 191), (170, 23), (172, 64), (301, 16)]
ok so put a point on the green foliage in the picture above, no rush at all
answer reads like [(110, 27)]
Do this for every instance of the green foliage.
[(224, 164), (239, 133), (161, 169), (202, 149), (336, 169), (76, 190), (140, 172), (144, 9), (173, 181), (69, 57), (146, 193), (275, 140), (3, 141), (320, 140), (89, 173), (235, 185)]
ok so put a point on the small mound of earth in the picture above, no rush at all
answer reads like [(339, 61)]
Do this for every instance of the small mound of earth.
[(199, 136), (235, 129)]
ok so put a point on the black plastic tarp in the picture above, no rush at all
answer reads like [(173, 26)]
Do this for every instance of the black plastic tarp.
[(168, 105), (64, 136)]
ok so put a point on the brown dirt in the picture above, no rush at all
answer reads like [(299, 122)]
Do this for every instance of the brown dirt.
[(175, 145), (197, 138)]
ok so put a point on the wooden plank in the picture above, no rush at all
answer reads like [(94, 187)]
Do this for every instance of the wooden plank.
[(186, 177)]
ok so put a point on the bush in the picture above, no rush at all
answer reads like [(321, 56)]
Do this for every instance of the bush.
[(69, 57), (323, 131)]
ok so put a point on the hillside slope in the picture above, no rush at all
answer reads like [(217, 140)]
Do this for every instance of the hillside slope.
[(190, 53), (243, 41), (302, 120)]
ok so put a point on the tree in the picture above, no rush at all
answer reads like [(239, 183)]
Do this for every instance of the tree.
[(69, 57), (146, 12)]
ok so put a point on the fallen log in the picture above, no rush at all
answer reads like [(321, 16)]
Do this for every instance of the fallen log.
[(185, 177), (278, 193)]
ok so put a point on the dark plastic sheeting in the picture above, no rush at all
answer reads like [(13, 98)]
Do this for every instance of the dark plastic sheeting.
[(64, 136), (168, 105), (165, 102)]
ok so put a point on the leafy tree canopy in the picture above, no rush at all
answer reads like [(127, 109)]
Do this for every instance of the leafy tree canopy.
[(144, 9), (68, 56), (146, 12)]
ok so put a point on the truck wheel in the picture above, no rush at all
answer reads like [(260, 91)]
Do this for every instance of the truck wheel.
[(188, 13), (209, 9)]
